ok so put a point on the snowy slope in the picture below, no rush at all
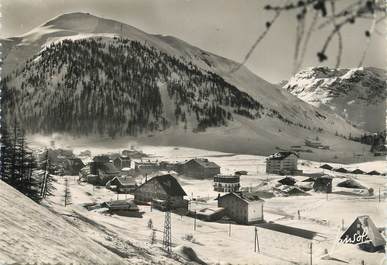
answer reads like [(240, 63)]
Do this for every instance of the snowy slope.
[(358, 95), (30, 233), (294, 119)]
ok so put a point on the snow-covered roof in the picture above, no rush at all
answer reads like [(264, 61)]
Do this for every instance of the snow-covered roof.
[(281, 155), (204, 163)]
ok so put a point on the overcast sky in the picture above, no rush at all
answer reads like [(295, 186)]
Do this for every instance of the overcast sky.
[(224, 27)]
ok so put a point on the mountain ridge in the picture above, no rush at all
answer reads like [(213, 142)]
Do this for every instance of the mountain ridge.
[(356, 94), (282, 116)]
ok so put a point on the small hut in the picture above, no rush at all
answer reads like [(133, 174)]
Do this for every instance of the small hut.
[(123, 207), (351, 184)]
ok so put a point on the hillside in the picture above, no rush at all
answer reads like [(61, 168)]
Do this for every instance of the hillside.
[(358, 95), (41, 236), (85, 75)]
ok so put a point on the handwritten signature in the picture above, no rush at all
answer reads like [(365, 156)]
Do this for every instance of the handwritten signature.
[(355, 238)]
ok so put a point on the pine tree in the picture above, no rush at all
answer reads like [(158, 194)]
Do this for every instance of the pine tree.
[(17, 162)]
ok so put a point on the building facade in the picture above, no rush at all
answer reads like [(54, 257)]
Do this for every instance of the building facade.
[(200, 168), (122, 162), (226, 183), (282, 163), (162, 188), (244, 208)]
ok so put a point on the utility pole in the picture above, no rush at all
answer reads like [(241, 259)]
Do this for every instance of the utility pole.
[(311, 253), (229, 229), (195, 221), (256, 241), (167, 242), (379, 193)]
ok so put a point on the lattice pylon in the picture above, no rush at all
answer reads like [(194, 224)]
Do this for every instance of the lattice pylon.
[(167, 242)]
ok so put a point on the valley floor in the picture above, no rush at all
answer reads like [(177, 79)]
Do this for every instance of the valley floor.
[(130, 237)]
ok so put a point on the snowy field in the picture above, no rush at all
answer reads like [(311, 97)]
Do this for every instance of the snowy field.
[(211, 241)]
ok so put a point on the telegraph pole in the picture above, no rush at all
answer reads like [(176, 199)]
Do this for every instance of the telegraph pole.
[(229, 229)]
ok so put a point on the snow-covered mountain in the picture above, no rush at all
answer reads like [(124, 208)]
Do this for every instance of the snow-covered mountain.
[(358, 95), (83, 74)]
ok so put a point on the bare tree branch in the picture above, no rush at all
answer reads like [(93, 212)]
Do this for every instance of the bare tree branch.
[(260, 38)]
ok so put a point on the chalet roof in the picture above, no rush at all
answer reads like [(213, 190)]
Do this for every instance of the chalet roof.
[(123, 158), (122, 205), (373, 172), (203, 162), (169, 184), (357, 171), (101, 159), (109, 168), (281, 155), (124, 181), (341, 170), (326, 166), (245, 196), (351, 183), (287, 181), (147, 163)]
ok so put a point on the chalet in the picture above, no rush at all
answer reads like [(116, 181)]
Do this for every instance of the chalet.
[(133, 154), (357, 171), (350, 183), (146, 168), (341, 170), (282, 163), (287, 181), (122, 184), (121, 162), (162, 188), (326, 166), (323, 184), (226, 183), (200, 168), (104, 169), (72, 166), (244, 208), (374, 172), (169, 166)]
